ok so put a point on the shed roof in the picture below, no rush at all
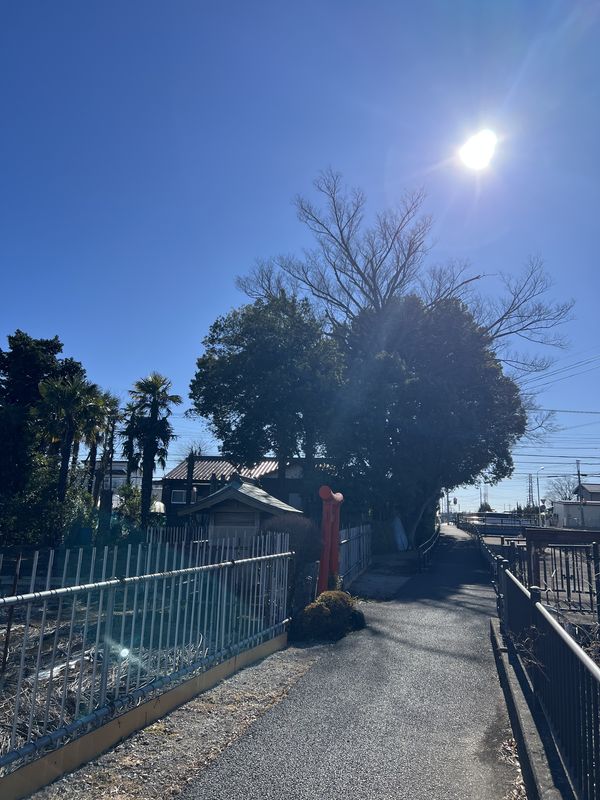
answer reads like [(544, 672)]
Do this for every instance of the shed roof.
[(591, 487), (244, 492), (206, 466)]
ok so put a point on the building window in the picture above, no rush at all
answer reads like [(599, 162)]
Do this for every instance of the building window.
[(178, 496)]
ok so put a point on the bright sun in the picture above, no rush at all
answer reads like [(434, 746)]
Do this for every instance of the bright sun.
[(477, 152)]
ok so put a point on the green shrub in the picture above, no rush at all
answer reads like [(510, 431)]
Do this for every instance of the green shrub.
[(331, 616)]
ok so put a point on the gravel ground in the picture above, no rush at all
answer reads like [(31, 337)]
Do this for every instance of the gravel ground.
[(161, 760)]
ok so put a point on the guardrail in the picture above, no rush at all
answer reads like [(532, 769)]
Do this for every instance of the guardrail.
[(564, 679), (81, 654), (355, 553)]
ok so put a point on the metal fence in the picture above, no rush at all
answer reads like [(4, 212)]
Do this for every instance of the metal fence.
[(494, 524), (176, 534), (568, 575), (28, 570), (78, 655), (355, 553), (565, 681)]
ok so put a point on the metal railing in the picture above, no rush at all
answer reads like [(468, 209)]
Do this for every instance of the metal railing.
[(568, 575), (355, 552), (564, 679), (176, 534), (498, 520), (80, 654), (425, 549)]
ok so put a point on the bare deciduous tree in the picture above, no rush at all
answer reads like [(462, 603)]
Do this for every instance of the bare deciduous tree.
[(561, 488), (356, 266)]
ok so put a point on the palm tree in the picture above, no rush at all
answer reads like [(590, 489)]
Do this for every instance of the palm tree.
[(95, 429), (149, 429), (67, 402), (128, 433)]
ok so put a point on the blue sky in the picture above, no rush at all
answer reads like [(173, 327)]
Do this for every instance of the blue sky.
[(149, 153)]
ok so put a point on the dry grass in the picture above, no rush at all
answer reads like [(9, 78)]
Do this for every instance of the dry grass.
[(161, 760), (67, 673)]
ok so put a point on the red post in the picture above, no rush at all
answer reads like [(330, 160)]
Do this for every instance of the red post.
[(330, 529)]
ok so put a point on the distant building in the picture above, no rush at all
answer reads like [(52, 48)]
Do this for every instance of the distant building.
[(588, 491), (575, 514), (117, 476)]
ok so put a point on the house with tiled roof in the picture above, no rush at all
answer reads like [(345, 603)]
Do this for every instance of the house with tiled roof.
[(199, 476)]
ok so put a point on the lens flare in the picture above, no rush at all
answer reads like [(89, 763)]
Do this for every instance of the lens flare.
[(478, 151)]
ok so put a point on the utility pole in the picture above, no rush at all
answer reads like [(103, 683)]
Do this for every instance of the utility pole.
[(539, 507), (579, 493)]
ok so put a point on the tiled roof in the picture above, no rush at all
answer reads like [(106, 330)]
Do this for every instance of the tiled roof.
[(207, 465), (245, 492)]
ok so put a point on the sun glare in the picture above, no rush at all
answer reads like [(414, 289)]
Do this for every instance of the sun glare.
[(477, 152)]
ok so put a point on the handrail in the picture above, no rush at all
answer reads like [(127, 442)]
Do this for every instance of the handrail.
[(433, 539), (578, 651), (520, 586), (426, 547), (23, 599), (565, 680)]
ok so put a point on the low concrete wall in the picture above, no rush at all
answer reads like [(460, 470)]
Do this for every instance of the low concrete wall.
[(53, 765)]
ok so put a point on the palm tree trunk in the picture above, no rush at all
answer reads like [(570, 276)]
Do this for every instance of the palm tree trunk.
[(65, 458), (74, 459), (148, 456), (92, 466)]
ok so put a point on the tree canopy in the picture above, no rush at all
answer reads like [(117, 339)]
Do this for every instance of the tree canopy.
[(49, 409), (148, 431), (424, 406), (266, 379)]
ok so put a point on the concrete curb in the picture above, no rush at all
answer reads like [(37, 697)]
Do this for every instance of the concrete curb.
[(543, 773)]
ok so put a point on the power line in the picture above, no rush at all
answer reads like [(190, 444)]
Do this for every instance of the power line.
[(567, 411)]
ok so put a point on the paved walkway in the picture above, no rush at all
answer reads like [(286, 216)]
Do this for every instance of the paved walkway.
[(409, 709)]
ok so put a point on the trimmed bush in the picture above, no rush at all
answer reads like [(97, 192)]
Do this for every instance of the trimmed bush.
[(331, 616)]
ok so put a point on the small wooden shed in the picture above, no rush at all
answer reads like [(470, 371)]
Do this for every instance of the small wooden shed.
[(240, 507)]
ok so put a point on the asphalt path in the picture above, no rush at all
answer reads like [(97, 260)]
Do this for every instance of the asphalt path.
[(410, 707)]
